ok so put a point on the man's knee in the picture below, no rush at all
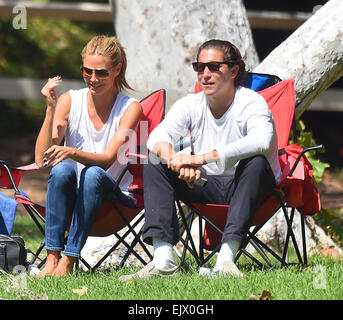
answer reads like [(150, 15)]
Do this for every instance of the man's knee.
[(258, 161), (256, 168), (254, 164)]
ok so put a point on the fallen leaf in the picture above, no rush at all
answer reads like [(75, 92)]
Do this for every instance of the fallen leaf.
[(265, 295), (82, 291), (308, 269)]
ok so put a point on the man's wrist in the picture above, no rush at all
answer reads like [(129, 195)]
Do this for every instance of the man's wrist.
[(209, 157)]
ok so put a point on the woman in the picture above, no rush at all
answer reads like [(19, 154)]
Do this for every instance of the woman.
[(95, 123)]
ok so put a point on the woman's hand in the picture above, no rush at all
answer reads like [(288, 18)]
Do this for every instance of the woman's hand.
[(48, 91), (55, 154)]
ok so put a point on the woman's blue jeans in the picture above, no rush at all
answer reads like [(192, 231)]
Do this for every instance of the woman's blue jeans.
[(78, 206)]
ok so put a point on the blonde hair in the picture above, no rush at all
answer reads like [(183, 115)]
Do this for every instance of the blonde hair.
[(111, 48)]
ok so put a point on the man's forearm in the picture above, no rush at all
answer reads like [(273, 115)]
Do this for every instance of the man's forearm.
[(179, 160), (209, 157), (164, 150)]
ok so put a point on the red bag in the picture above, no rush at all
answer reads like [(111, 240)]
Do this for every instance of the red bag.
[(300, 189)]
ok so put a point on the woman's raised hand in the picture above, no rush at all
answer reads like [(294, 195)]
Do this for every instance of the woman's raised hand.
[(48, 91)]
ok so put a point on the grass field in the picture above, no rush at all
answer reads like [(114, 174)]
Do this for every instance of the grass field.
[(321, 279)]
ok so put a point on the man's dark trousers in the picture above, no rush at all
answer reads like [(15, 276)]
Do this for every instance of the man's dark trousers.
[(244, 192)]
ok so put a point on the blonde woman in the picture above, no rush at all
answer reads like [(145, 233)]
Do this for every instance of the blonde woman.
[(94, 123)]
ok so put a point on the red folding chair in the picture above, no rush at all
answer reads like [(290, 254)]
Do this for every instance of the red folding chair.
[(296, 190), (113, 215)]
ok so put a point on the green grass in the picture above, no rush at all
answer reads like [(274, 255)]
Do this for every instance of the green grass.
[(320, 280)]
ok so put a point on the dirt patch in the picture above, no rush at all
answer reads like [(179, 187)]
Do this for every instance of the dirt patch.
[(331, 192)]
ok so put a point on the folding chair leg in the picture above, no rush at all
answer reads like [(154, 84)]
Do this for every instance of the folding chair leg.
[(290, 233), (131, 248), (246, 253), (136, 240), (201, 240), (84, 262), (303, 234), (128, 246), (122, 241), (33, 213), (188, 243), (189, 238), (37, 253), (251, 237), (261, 252), (245, 242)]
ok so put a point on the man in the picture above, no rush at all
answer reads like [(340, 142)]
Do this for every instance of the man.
[(234, 146)]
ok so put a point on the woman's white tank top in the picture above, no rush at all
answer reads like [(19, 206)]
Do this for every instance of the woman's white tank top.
[(82, 135)]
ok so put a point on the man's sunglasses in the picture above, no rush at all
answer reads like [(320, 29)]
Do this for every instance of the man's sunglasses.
[(212, 66), (99, 73)]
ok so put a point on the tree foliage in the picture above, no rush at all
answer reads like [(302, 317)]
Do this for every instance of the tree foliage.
[(47, 47)]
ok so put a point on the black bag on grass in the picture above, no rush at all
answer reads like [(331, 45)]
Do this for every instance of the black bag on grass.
[(12, 252)]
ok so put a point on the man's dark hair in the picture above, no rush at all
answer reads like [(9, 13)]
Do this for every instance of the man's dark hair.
[(231, 55)]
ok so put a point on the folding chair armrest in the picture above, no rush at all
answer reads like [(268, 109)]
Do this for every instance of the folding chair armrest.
[(133, 158), (10, 176), (5, 165), (300, 156), (136, 156)]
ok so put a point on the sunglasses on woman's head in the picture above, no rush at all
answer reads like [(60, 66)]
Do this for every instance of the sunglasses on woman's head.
[(212, 66), (99, 73)]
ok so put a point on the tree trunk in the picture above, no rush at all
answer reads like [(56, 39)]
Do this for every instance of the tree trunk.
[(312, 55), (161, 39)]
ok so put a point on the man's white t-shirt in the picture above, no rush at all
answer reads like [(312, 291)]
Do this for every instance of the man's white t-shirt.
[(245, 129)]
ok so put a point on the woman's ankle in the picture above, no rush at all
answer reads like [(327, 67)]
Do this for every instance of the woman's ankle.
[(65, 266), (51, 264)]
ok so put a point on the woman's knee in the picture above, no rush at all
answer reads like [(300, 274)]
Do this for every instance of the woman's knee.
[(92, 173), (93, 177), (63, 173)]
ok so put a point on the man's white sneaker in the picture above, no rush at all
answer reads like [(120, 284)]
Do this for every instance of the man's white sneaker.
[(228, 268), (150, 271)]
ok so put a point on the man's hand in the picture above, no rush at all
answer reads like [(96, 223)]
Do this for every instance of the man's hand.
[(187, 167), (180, 160), (190, 175)]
